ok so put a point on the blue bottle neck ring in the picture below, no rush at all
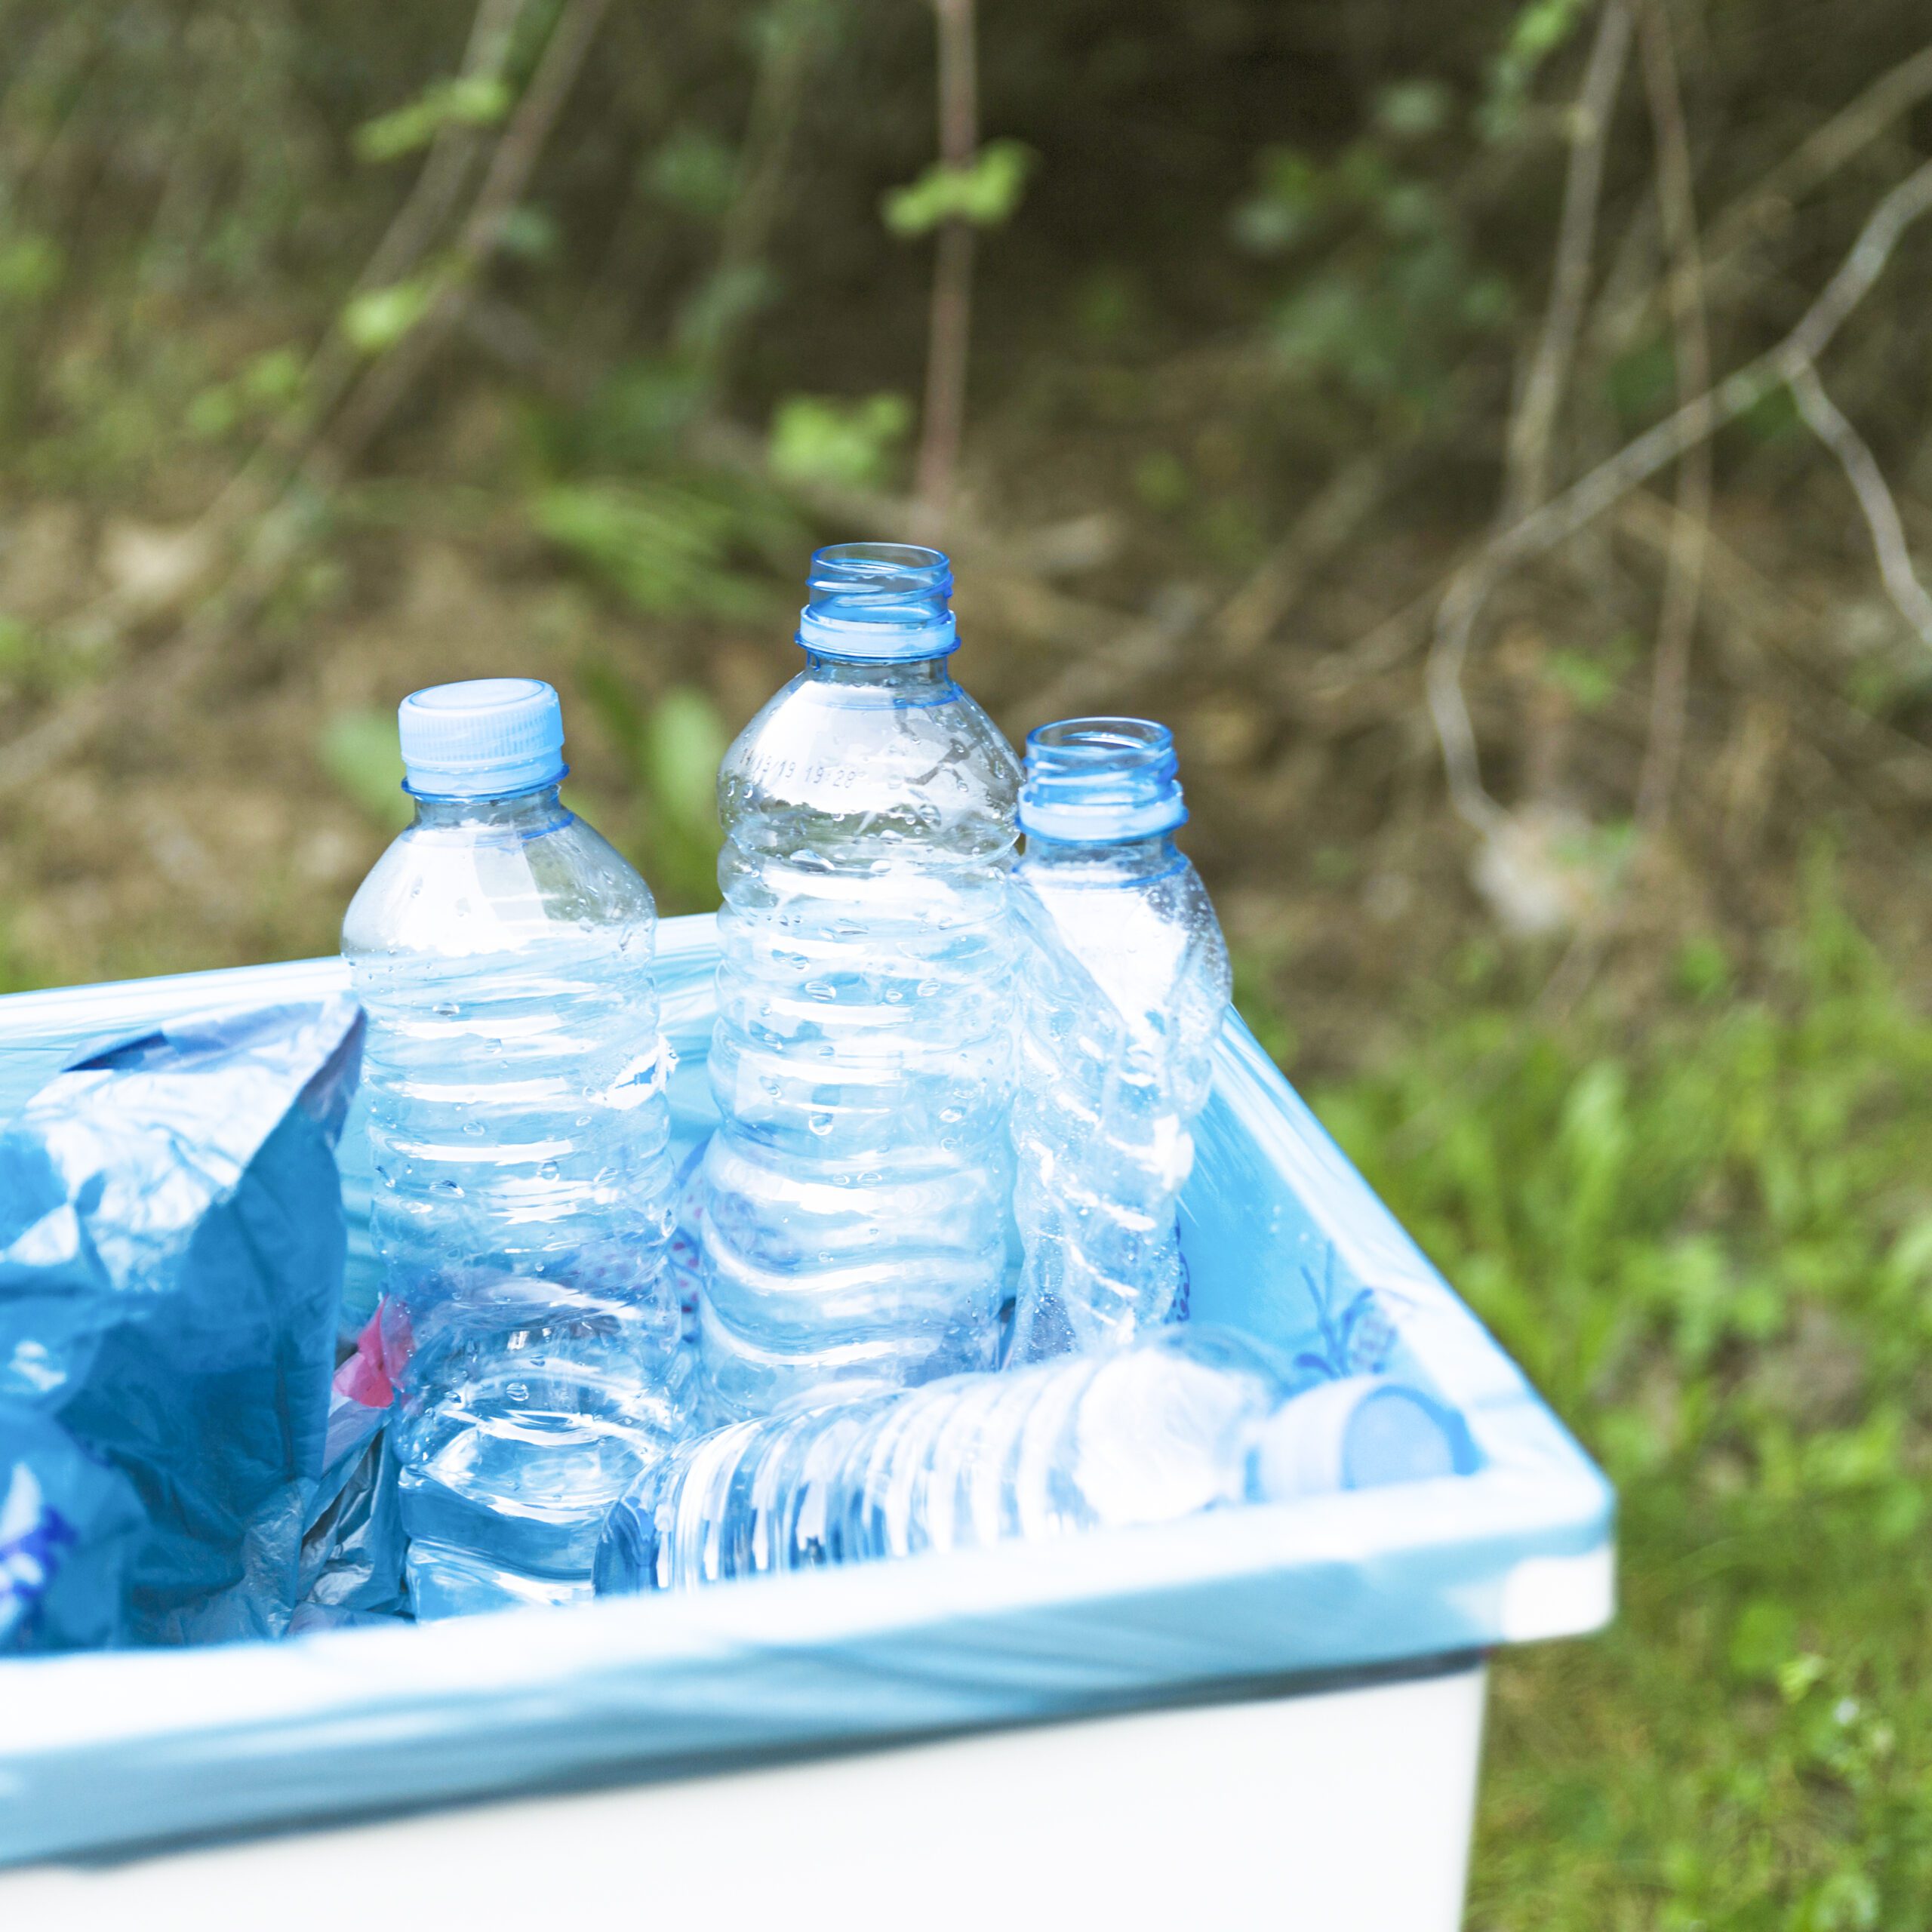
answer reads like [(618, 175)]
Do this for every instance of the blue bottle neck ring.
[(878, 604)]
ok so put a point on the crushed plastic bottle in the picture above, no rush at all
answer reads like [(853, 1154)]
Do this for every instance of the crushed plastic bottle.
[(520, 1137), (1183, 1420), (855, 1217), (1125, 980)]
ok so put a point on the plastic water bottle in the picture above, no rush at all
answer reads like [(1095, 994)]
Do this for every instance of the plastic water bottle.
[(854, 1224), (1124, 983), (1185, 1420), (520, 1139)]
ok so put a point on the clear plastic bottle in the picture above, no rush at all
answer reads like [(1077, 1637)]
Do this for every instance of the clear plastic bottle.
[(520, 1138), (855, 1215), (1183, 1420), (1124, 981)]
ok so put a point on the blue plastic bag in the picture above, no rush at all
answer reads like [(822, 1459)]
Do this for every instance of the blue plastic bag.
[(68, 1528), (171, 1250)]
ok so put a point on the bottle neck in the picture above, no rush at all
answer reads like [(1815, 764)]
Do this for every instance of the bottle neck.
[(1127, 861), (539, 810), (912, 676)]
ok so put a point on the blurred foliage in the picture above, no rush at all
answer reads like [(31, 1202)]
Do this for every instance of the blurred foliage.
[(672, 747), (1238, 243), (359, 751), (1708, 1241), (819, 439), (985, 192), (473, 100), (670, 549)]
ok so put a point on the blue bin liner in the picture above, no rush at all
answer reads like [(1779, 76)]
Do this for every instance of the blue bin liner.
[(172, 1246), (69, 1528), (1282, 1237)]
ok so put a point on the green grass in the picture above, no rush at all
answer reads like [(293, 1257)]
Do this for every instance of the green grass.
[(1709, 1241)]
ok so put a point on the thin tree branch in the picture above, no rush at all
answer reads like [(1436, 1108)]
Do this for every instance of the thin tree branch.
[(1636, 462), (1331, 517), (1526, 475), (333, 368), (1825, 151), (375, 399), (277, 535), (1525, 479), (1685, 571), (770, 131), (950, 339), (1832, 428)]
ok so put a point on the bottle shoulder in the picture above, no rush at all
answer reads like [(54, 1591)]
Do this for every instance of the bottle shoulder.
[(456, 891), (1148, 946), (935, 765)]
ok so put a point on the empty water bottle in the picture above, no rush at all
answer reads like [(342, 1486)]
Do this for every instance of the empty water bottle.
[(519, 1134), (1184, 1420), (854, 1222), (1125, 982)]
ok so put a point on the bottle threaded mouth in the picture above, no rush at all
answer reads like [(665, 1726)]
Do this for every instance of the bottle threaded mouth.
[(878, 602), (1101, 780)]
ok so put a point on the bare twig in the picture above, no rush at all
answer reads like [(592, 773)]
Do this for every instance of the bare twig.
[(431, 198), (950, 332), (383, 386), (1832, 428), (276, 538), (1685, 571), (1526, 478), (1334, 515), (1636, 462), (771, 132), (1529, 431), (1824, 152)]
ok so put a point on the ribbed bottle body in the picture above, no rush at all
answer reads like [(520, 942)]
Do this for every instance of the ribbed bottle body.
[(1124, 979), (521, 1204), (855, 1213)]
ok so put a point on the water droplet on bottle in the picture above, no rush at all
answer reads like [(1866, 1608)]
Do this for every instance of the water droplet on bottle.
[(518, 1391), (548, 1171), (472, 1127), (445, 1187), (820, 1124)]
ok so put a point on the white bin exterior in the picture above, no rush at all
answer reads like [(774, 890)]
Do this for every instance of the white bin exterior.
[(1339, 1811)]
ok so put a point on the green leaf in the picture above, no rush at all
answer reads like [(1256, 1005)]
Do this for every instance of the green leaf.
[(820, 439), (379, 318), (470, 100), (1765, 1638), (694, 172), (985, 192), (274, 377), (358, 750), (666, 550), (1409, 110), (528, 234), (30, 266), (683, 743)]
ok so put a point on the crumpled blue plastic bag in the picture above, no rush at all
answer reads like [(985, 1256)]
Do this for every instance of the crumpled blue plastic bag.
[(353, 1555), (69, 1527), (171, 1250)]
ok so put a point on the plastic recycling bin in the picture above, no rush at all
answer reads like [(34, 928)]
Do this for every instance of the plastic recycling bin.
[(1266, 1716)]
